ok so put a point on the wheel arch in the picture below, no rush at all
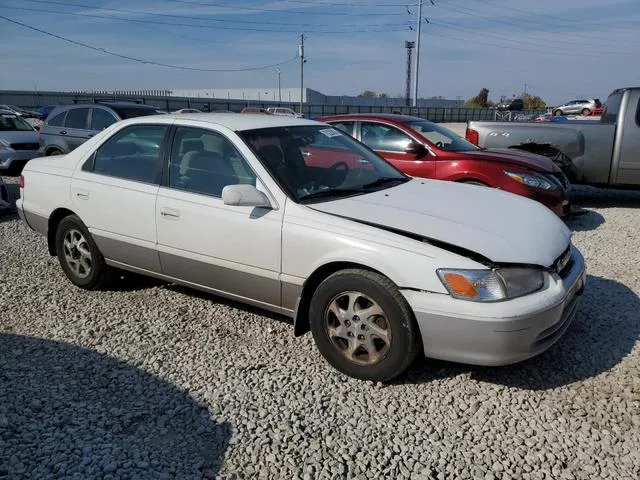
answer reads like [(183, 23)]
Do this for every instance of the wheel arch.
[(301, 316), (54, 220)]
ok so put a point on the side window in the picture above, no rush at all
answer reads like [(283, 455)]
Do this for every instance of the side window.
[(205, 162), (101, 119), (346, 127), (58, 120), (384, 137), (611, 108), (132, 154), (77, 118)]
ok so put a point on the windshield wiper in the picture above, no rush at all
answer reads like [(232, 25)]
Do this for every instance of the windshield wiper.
[(333, 192), (384, 180)]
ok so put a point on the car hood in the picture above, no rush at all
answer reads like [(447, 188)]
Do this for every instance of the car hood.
[(500, 226), (26, 136), (513, 156)]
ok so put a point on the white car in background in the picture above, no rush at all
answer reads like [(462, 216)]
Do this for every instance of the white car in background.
[(296, 217), (287, 112)]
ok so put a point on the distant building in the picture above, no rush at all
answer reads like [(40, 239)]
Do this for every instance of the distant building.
[(310, 96)]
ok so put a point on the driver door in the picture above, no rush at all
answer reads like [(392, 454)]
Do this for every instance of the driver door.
[(390, 143)]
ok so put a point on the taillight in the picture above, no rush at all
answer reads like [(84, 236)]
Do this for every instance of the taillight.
[(21, 181), (472, 136)]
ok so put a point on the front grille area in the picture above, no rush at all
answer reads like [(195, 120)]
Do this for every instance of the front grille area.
[(563, 271), (25, 146)]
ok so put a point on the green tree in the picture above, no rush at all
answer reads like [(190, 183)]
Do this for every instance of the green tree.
[(368, 93), (479, 101), (382, 95), (532, 102)]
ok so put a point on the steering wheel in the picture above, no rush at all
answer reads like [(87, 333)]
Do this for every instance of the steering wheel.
[(337, 173)]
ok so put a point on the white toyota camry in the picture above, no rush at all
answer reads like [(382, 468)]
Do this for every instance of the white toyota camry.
[(294, 216)]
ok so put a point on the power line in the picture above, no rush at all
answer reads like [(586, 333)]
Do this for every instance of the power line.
[(142, 24), (225, 21), (277, 10), (148, 62), (591, 53), (527, 26)]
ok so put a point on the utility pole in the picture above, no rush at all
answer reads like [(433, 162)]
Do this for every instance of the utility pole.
[(302, 60), (415, 81), (279, 90), (409, 46)]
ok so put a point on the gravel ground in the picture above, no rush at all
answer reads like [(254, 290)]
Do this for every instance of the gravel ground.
[(150, 380)]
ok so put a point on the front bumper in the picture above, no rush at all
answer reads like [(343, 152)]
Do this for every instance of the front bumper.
[(499, 333)]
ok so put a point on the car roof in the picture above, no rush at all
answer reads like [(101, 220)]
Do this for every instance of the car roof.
[(394, 117), (233, 121)]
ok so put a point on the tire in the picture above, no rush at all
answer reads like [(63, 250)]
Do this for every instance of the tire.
[(387, 343), (474, 182), (557, 113), (79, 257), (52, 152), (585, 112)]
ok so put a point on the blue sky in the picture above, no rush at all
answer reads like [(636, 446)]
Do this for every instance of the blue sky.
[(560, 48)]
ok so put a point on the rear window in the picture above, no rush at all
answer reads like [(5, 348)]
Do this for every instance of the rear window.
[(56, 121), (611, 108), (132, 112), (77, 118)]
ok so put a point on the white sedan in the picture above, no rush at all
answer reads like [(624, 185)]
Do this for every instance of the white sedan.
[(295, 217)]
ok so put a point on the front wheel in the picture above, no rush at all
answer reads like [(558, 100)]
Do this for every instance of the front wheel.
[(79, 257), (363, 326), (557, 113)]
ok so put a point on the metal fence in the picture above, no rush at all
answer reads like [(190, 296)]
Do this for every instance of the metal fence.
[(34, 99)]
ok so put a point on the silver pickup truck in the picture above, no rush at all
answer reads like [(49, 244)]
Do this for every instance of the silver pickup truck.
[(604, 152)]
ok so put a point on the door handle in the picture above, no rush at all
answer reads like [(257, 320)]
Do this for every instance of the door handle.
[(170, 213), (83, 194), (63, 132)]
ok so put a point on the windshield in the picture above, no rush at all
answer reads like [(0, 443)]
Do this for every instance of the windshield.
[(13, 123), (318, 163), (441, 137)]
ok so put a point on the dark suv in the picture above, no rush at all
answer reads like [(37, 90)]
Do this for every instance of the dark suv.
[(69, 126)]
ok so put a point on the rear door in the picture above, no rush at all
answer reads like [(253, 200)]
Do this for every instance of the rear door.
[(114, 193), (390, 142), (76, 129)]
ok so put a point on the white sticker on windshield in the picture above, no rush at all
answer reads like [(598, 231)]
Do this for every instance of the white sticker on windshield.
[(330, 132)]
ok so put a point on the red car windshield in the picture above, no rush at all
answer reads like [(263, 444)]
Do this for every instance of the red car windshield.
[(441, 137)]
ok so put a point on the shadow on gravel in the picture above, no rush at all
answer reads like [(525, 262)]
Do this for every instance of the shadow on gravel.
[(604, 332), (68, 411), (229, 303), (592, 197), (585, 221), (8, 216)]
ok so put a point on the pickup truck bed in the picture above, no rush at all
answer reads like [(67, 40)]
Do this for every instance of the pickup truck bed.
[(589, 152)]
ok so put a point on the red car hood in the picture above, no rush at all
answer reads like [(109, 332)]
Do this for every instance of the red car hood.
[(512, 156)]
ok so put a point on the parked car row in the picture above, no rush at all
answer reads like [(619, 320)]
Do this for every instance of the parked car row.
[(602, 152), (300, 218)]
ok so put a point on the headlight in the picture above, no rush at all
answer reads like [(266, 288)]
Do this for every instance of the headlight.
[(534, 180), (491, 285)]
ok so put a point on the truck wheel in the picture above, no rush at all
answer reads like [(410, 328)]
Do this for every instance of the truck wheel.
[(79, 257), (363, 326)]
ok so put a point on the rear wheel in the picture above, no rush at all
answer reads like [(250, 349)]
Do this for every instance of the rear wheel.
[(586, 111), (363, 326), (53, 151), (79, 257)]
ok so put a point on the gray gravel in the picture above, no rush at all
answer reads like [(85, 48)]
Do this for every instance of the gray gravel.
[(149, 380)]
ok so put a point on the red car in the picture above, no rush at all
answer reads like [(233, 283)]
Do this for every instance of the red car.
[(425, 149)]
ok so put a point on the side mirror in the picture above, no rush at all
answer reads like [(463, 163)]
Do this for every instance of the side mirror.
[(416, 148), (244, 195)]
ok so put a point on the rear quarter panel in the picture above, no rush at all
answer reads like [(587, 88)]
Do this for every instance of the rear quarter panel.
[(588, 144)]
